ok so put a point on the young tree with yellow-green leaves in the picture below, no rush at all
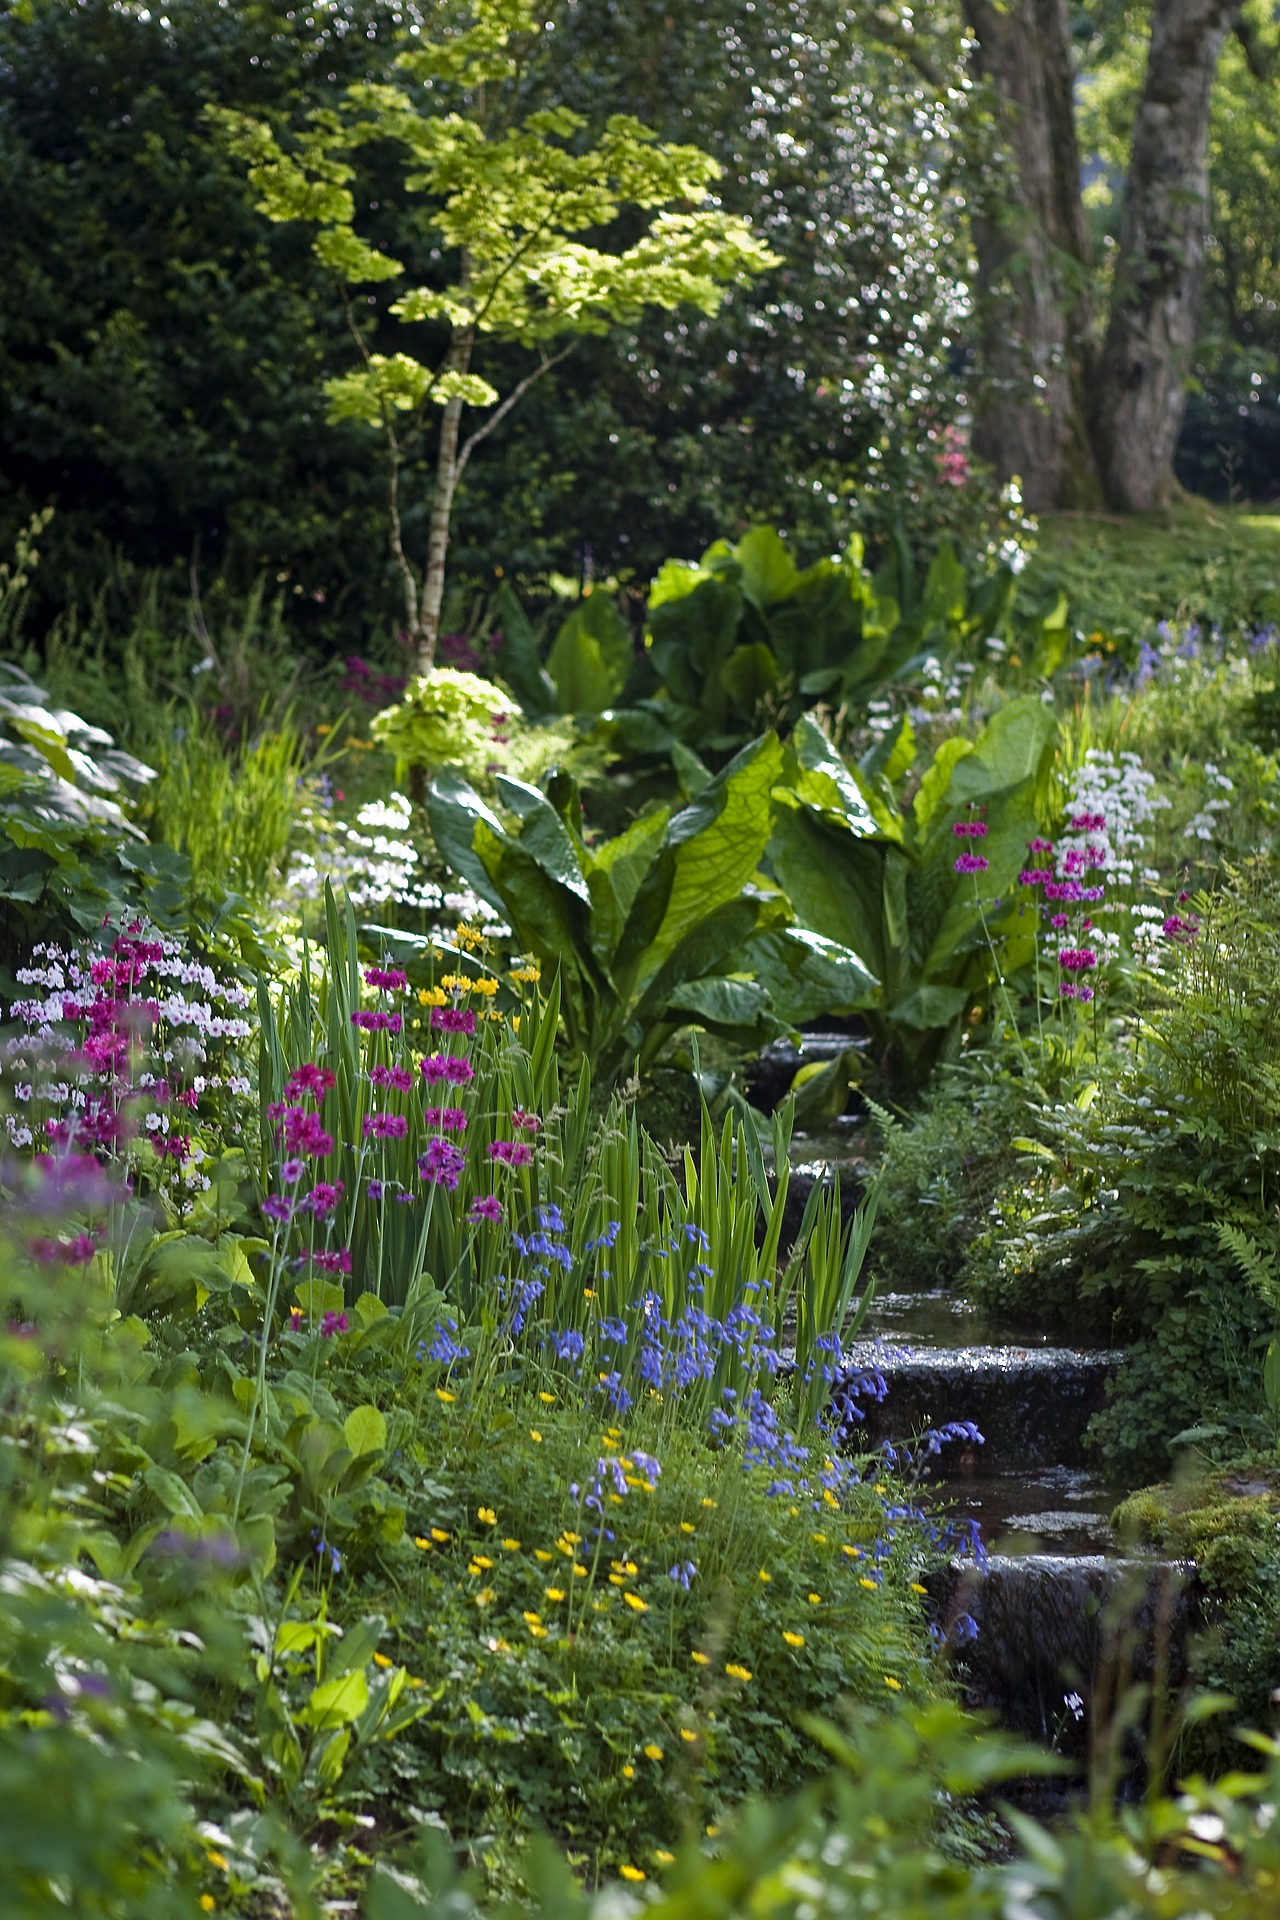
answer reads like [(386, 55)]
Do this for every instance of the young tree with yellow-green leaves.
[(521, 207)]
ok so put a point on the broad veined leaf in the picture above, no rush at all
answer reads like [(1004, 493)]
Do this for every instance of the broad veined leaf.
[(365, 1430), (718, 844), (336, 1703), (806, 975), (590, 660)]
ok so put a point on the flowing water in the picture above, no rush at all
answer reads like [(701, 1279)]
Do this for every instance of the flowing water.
[(1058, 1616)]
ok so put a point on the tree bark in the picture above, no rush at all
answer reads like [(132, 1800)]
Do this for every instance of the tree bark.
[(1032, 246), (1155, 304)]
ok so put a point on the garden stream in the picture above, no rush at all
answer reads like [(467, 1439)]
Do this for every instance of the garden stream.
[(1053, 1617)]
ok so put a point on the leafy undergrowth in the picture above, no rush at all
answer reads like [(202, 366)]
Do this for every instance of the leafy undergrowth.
[(1194, 561)]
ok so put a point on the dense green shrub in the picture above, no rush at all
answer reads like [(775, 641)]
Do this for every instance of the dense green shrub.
[(1116, 1234)]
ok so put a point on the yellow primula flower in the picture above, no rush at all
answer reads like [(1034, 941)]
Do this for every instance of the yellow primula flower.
[(432, 997)]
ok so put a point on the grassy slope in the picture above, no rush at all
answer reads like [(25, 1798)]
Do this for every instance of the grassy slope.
[(1195, 561)]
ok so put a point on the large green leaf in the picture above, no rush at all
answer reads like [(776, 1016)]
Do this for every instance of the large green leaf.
[(543, 835), (522, 668), (834, 880), (767, 573), (591, 658), (615, 874), (718, 844), (806, 975), (454, 809)]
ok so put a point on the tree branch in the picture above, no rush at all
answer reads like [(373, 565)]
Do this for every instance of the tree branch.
[(501, 411)]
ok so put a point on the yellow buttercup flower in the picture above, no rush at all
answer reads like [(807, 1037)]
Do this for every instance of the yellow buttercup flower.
[(636, 1604), (687, 1526), (687, 1733), (793, 1639), (438, 1533), (764, 1574), (540, 1553), (917, 1588), (821, 1538), (854, 1553), (663, 1857), (632, 1873), (443, 1393), (653, 1751), (207, 1903), (815, 1599), (870, 1585), (708, 1503), (700, 1659), (547, 1399), (217, 1859), (381, 1660), (737, 1672), (891, 1682), (535, 1435), (628, 1772), (532, 1619), (481, 1560), (419, 1541), (511, 1546), (554, 1593), (487, 1516)]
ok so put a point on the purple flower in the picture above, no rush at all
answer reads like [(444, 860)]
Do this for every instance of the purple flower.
[(1077, 959), (333, 1323), (385, 1126), (338, 1261), (377, 1022), (323, 1198), (398, 1077), (682, 1573), (971, 863), (292, 1171), (276, 1207), (970, 829), (447, 1119), (441, 1164), (512, 1153), (308, 1078), (374, 1189), (386, 979), (453, 1020), (486, 1207), (447, 1066)]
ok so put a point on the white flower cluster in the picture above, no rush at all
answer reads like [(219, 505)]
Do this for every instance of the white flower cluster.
[(1122, 791), (1204, 825), (373, 862), (135, 1019)]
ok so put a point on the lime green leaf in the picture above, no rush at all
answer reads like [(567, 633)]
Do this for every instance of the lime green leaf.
[(365, 1430)]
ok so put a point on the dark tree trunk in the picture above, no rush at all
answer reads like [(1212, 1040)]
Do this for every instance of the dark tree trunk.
[(1032, 246), (1155, 305)]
